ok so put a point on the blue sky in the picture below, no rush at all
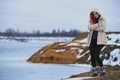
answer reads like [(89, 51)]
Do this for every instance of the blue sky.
[(46, 15)]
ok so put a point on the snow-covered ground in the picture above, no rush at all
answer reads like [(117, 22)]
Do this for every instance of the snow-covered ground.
[(114, 58), (114, 38), (13, 65)]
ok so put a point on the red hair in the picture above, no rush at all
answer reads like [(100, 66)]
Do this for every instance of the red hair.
[(92, 18)]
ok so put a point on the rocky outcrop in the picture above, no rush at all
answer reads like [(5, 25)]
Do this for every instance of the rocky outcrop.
[(75, 51)]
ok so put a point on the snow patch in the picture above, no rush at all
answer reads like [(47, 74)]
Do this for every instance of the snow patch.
[(81, 65), (84, 40), (89, 58), (60, 50), (74, 48), (62, 44), (73, 44), (101, 55), (114, 58), (106, 55), (113, 39), (80, 78), (84, 45), (41, 52), (79, 54)]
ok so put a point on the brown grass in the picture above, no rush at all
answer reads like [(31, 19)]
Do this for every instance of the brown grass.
[(81, 36)]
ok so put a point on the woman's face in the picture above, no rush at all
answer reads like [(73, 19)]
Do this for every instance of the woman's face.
[(96, 15)]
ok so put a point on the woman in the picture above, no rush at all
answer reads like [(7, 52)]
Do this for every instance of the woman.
[(96, 40)]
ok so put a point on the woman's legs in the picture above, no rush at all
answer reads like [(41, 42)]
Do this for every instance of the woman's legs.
[(95, 56), (95, 53), (98, 59), (92, 52)]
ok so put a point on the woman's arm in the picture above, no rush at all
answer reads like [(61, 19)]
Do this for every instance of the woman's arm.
[(102, 25), (92, 26), (98, 26)]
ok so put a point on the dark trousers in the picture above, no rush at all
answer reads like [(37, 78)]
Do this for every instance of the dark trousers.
[(95, 53)]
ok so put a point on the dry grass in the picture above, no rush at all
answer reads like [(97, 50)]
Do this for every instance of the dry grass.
[(81, 36), (50, 56)]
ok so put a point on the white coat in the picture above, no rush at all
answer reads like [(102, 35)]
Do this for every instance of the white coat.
[(100, 27)]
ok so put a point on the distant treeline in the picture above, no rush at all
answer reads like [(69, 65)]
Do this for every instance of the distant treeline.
[(36, 33)]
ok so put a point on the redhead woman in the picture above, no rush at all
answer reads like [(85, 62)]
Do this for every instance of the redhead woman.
[(96, 40)]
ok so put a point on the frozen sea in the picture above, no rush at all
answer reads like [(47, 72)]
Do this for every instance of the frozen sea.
[(13, 65)]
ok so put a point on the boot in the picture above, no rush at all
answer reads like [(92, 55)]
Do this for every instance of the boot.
[(102, 71), (94, 71)]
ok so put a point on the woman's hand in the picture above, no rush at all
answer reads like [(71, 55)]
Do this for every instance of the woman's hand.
[(91, 22)]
